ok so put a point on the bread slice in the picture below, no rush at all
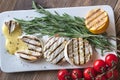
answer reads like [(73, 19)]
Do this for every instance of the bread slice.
[(78, 51), (54, 50), (34, 51)]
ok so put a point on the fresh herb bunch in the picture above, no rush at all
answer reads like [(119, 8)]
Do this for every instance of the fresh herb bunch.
[(63, 25)]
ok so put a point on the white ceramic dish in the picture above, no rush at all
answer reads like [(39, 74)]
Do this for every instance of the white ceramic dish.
[(10, 63)]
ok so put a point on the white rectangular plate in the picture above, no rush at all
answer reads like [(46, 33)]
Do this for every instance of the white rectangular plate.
[(10, 63)]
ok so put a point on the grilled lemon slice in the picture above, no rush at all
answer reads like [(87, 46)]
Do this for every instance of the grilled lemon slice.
[(97, 21)]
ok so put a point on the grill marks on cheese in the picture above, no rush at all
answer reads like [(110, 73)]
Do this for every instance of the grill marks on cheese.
[(54, 50), (34, 51), (79, 51), (11, 31), (96, 18), (28, 55)]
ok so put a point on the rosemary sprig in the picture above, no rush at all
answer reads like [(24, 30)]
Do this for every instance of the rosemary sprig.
[(63, 25)]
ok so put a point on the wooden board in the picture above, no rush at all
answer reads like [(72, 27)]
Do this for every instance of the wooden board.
[(18, 65)]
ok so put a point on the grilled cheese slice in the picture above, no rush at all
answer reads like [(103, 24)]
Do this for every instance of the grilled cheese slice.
[(34, 51), (78, 51), (28, 55), (54, 50), (97, 21), (11, 31)]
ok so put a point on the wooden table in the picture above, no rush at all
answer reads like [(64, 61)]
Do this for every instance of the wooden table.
[(6, 5)]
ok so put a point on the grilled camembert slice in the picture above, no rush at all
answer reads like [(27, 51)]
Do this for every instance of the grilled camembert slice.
[(54, 50), (34, 51), (97, 21), (78, 51)]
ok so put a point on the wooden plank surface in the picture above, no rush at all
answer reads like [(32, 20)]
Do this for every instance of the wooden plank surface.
[(7, 5)]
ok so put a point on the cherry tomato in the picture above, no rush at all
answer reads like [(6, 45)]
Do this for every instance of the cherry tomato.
[(89, 73), (112, 74), (76, 74), (111, 60), (63, 75), (87, 79), (99, 65), (101, 77)]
